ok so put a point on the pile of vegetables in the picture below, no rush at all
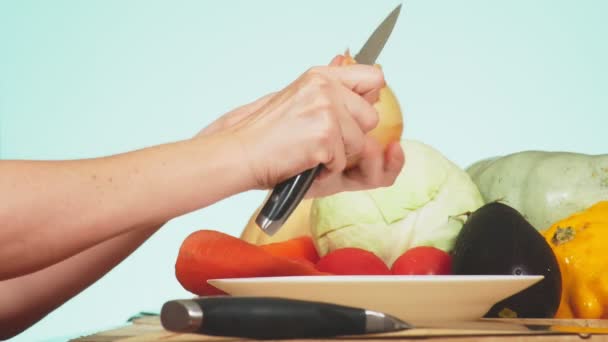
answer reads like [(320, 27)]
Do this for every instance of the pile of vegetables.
[(564, 196), (527, 213), (431, 221), (209, 254)]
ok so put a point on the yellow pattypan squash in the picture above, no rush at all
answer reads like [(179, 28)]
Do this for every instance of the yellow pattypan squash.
[(580, 244)]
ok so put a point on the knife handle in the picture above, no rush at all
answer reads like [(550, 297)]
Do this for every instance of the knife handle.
[(284, 199), (262, 318)]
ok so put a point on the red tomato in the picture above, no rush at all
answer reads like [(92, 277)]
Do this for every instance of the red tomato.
[(423, 260), (352, 261)]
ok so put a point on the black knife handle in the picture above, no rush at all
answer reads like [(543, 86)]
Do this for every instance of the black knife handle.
[(262, 318), (284, 199)]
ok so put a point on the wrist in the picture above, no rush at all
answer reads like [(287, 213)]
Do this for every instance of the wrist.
[(181, 177), (227, 154)]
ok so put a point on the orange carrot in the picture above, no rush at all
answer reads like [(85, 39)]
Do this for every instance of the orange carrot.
[(208, 254), (297, 248)]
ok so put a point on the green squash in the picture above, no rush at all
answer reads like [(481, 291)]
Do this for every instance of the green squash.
[(543, 186)]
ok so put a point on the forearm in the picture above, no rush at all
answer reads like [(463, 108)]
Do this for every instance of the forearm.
[(56, 209), (25, 301)]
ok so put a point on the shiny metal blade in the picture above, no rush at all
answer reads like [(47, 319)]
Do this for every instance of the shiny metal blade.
[(374, 45), (378, 322)]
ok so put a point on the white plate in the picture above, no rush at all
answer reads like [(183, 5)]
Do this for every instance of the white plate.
[(416, 299)]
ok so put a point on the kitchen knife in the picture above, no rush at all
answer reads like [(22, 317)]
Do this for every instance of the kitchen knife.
[(276, 318), (286, 195), (272, 318)]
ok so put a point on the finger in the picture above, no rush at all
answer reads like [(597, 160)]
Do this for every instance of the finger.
[(353, 136), (364, 114), (337, 61), (326, 184), (331, 153), (373, 96), (394, 160), (362, 79), (369, 171), (337, 161)]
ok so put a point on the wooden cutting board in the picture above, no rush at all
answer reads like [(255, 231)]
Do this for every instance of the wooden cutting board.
[(150, 329)]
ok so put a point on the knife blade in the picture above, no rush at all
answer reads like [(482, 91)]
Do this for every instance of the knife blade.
[(286, 195), (272, 318)]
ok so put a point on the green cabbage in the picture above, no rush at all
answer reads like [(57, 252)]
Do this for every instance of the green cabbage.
[(424, 207)]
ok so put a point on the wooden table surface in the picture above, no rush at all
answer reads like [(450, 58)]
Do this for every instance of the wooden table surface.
[(150, 329)]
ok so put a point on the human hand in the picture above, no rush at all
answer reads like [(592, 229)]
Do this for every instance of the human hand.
[(321, 118)]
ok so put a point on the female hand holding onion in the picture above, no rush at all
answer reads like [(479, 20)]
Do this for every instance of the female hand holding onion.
[(386, 133), (327, 116)]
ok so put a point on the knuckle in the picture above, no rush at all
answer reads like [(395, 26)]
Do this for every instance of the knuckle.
[(322, 156), (326, 121), (324, 139), (315, 76), (324, 133), (324, 104)]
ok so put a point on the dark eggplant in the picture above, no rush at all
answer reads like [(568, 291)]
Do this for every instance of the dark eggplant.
[(497, 240)]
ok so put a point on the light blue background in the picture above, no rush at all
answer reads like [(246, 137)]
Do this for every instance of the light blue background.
[(91, 78)]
